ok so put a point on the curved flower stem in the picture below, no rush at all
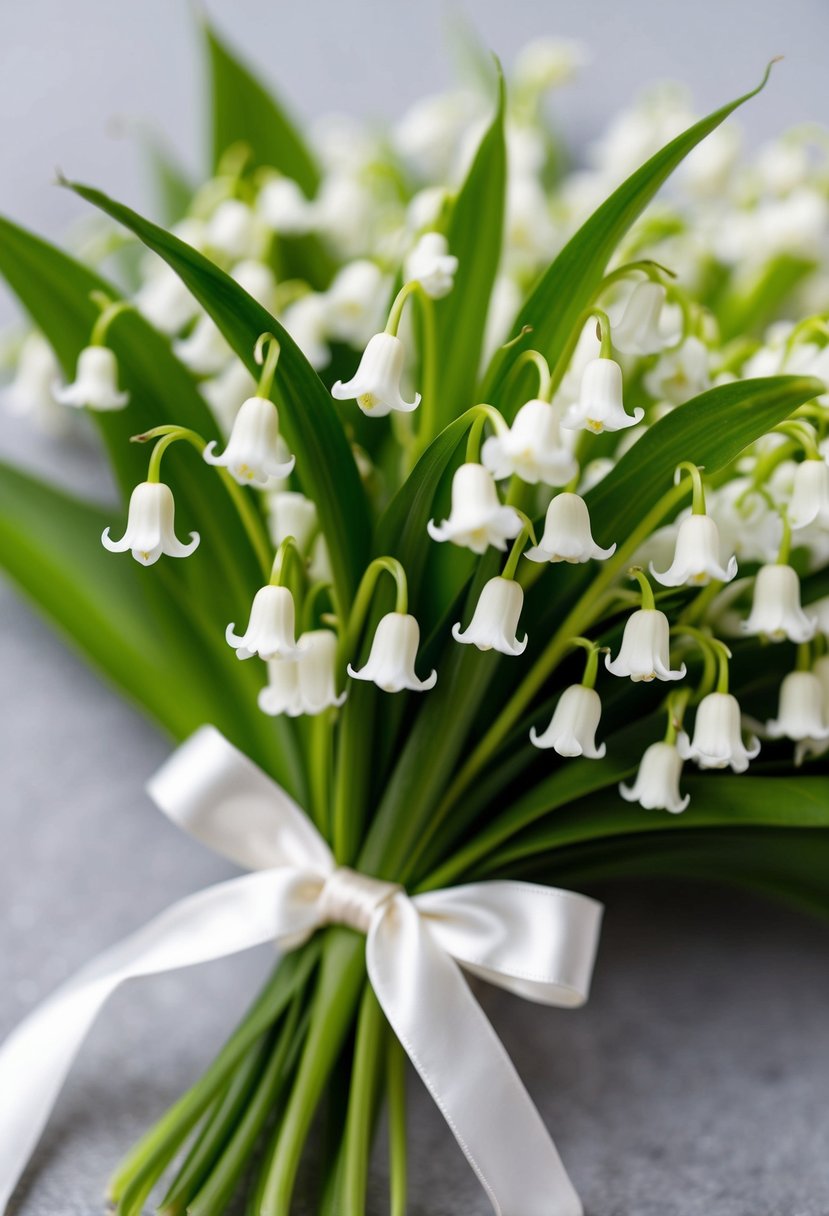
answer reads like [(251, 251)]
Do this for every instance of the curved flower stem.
[(591, 667), (250, 519), (542, 366), (698, 502), (711, 646), (804, 657), (110, 309), (365, 593), (675, 704), (266, 353), (518, 545), (785, 549), (564, 359), (651, 270), (648, 602), (803, 434), (585, 611), (287, 554), (480, 415), (396, 310)]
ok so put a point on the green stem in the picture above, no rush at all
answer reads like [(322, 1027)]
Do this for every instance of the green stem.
[(287, 553), (171, 1130), (250, 519), (342, 977), (268, 361), (698, 500), (481, 414), (396, 1095), (396, 311), (361, 1103), (711, 645), (580, 618), (648, 602), (217, 1191), (786, 540), (110, 309), (804, 657), (429, 371), (652, 270), (362, 600)]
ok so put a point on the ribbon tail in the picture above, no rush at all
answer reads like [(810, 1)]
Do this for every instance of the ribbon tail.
[(36, 1057), (465, 1067)]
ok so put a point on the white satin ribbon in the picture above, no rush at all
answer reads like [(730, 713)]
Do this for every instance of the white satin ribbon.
[(535, 941)]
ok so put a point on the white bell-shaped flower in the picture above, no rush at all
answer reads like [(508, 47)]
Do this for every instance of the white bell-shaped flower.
[(317, 671), (696, 556), (390, 664), (306, 320), (680, 374), (235, 230), (227, 393), (376, 383), (572, 729), (600, 406), (801, 713), (281, 694), (810, 495), (252, 455), (432, 265), (150, 527), (494, 623), (30, 393), (645, 653), (96, 382), (567, 535), (292, 514), (776, 612), (355, 302), (284, 208), (204, 350), (656, 787), (164, 301), (532, 448), (817, 745), (718, 738), (638, 332), (477, 517), (271, 627)]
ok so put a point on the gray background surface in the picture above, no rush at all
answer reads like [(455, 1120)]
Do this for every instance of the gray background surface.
[(695, 1083)]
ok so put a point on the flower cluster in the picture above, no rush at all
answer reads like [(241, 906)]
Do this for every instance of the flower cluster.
[(651, 339)]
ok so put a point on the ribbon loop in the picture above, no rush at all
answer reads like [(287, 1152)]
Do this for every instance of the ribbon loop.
[(535, 941), (351, 899)]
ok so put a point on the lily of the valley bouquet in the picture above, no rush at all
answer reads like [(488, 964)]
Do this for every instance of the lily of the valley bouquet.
[(474, 535)]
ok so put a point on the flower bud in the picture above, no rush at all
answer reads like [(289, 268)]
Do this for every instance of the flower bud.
[(96, 382)]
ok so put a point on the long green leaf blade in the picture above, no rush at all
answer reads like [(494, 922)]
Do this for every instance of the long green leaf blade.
[(568, 286), (325, 462), (474, 234), (243, 111)]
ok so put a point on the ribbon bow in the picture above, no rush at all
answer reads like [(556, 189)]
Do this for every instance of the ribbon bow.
[(535, 941)]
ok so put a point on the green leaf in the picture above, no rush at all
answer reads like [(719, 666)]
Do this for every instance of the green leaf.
[(474, 233), (325, 463), (401, 532), (710, 431), (130, 623), (55, 291), (569, 285), (245, 112), (791, 865)]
